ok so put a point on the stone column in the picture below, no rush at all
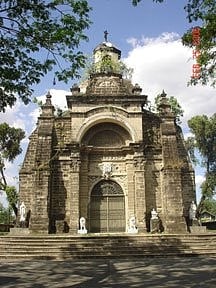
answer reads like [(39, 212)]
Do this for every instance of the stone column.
[(74, 194), (131, 198), (172, 171), (139, 179), (172, 202), (39, 219)]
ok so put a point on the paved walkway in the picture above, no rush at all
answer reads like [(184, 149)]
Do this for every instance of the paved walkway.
[(118, 273)]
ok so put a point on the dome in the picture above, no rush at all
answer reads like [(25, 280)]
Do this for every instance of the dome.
[(107, 47)]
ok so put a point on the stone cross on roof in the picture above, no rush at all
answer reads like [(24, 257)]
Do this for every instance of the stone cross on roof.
[(105, 35)]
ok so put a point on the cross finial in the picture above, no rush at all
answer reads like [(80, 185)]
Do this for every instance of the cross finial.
[(105, 35)]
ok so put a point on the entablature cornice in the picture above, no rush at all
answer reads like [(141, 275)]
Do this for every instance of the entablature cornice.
[(125, 99)]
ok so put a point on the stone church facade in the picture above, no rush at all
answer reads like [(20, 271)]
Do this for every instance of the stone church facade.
[(106, 159)]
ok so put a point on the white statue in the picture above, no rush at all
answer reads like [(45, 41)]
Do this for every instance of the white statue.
[(22, 211), (192, 211), (82, 229), (132, 225), (154, 214)]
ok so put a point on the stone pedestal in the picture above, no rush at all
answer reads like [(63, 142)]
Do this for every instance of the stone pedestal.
[(132, 230), (197, 229), (60, 226), (82, 231), (19, 231), (154, 225)]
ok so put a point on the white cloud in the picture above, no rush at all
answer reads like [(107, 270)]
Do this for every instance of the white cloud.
[(58, 98), (187, 135), (164, 63), (199, 179), (25, 117)]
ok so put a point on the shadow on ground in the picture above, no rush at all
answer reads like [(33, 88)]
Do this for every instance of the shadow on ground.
[(118, 273)]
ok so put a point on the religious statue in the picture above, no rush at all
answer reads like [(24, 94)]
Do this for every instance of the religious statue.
[(105, 35), (22, 210), (155, 222), (82, 229), (132, 225), (154, 214), (192, 211)]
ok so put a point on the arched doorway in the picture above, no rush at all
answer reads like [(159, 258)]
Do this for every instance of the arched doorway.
[(107, 208)]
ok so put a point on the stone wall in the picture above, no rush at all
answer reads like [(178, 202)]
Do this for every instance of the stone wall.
[(66, 155)]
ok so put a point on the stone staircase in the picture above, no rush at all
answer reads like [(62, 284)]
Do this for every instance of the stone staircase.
[(101, 246)]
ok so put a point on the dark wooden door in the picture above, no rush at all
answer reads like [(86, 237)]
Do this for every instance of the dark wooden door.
[(107, 208)]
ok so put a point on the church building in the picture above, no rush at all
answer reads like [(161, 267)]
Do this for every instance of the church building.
[(107, 159)]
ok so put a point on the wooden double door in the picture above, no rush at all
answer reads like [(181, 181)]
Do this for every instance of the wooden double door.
[(107, 208)]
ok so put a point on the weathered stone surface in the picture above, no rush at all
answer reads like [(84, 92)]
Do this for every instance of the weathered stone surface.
[(106, 125), (197, 229), (19, 231)]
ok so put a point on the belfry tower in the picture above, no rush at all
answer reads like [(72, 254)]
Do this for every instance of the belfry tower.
[(106, 159)]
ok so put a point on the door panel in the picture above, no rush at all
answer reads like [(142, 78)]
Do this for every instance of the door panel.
[(107, 209), (116, 214)]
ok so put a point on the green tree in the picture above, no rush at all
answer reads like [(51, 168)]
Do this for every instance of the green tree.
[(53, 28), (10, 148), (6, 216), (107, 65), (210, 205), (203, 129), (202, 12)]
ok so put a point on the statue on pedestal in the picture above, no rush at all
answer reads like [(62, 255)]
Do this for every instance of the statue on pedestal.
[(82, 229), (192, 211), (154, 222), (22, 211), (154, 214), (132, 225)]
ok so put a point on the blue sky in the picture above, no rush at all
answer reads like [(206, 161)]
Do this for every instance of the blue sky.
[(149, 37)]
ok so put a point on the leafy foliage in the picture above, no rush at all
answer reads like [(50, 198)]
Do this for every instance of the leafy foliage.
[(204, 11), (10, 148), (204, 140), (53, 28), (107, 64), (210, 205), (10, 139), (6, 215)]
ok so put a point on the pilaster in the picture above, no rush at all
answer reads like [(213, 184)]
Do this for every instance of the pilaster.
[(74, 195), (139, 179)]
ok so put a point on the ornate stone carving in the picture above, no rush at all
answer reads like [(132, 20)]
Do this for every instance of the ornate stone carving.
[(107, 187), (75, 164), (106, 169), (139, 163), (93, 179)]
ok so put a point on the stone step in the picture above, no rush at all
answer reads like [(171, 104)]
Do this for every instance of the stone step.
[(60, 246)]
